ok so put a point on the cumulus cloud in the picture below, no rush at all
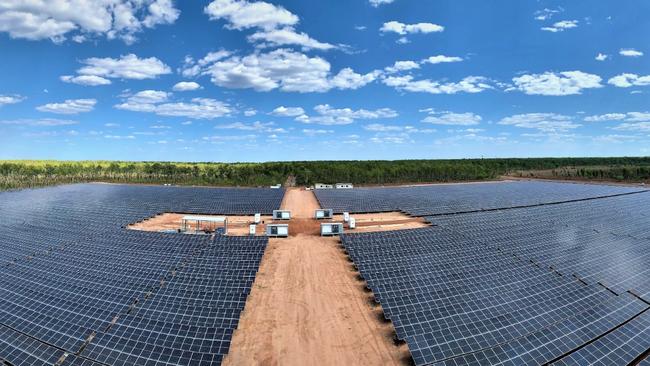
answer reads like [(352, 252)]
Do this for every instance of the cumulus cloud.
[(283, 111), (282, 69), (10, 99), (452, 119), (55, 20), (186, 86), (601, 57), (376, 3), (630, 52), (628, 80), (87, 80), (344, 116), (544, 122), (242, 14), (404, 29), (561, 26), (98, 71), (550, 83), (470, 84), (70, 106), (287, 36), (403, 66), (154, 101), (442, 59), (274, 24)]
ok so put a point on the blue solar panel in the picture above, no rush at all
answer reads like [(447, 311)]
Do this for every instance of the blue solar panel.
[(455, 198), (77, 287)]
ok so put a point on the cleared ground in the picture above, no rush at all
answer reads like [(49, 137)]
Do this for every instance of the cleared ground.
[(308, 308)]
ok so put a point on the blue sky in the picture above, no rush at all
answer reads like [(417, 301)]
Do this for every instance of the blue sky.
[(234, 80)]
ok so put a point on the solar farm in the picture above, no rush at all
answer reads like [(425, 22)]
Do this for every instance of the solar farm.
[(516, 273)]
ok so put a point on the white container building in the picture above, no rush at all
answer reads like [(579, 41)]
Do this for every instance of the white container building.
[(277, 230), (331, 229), (324, 214), (281, 215)]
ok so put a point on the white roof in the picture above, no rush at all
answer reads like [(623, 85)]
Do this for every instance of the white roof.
[(204, 218)]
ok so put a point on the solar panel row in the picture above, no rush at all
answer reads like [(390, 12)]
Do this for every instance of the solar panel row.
[(455, 198), (463, 293), (603, 241), (74, 282)]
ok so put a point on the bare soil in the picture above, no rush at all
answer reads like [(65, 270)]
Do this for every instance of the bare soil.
[(307, 306), (237, 225)]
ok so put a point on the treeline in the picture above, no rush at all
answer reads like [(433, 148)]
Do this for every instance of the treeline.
[(627, 173), (20, 174)]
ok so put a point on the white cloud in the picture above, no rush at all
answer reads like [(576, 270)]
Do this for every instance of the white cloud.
[(378, 127), (274, 23), (255, 126), (544, 122), (70, 106), (186, 86), (241, 14), (87, 80), (287, 36), (411, 65), (282, 69), (547, 13), (344, 116), (601, 57), (10, 99), (561, 26), (634, 126), (97, 71), (452, 119), (442, 59), (470, 84), (43, 122), (348, 79), (36, 20), (154, 101), (376, 3), (314, 132), (403, 66), (120, 137), (563, 83), (628, 80), (606, 117), (404, 29), (630, 52), (283, 111), (250, 112), (632, 121)]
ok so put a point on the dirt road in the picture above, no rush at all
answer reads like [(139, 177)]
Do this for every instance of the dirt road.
[(307, 307)]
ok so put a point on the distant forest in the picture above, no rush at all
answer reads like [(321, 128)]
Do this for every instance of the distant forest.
[(20, 174)]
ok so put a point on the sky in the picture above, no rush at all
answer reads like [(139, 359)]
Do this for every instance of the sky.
[(239, 80)]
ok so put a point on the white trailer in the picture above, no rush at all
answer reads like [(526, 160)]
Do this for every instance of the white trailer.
[(323, 186)]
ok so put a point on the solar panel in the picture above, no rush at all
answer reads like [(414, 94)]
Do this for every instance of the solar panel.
[(456, 198), (74, 281), (460, 295)]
